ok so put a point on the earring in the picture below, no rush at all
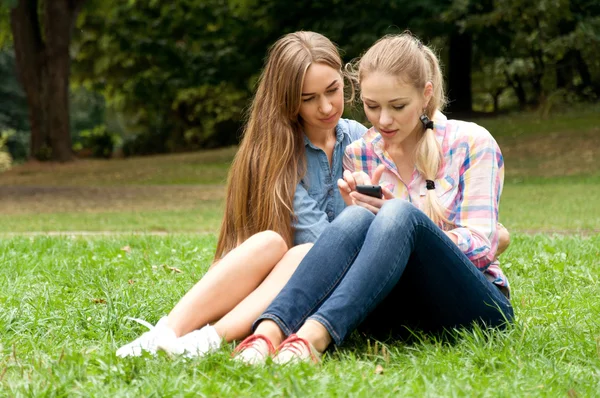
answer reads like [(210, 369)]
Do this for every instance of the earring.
[(427, 123)]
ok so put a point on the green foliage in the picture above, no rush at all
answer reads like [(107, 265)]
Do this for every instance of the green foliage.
[(5, 158), (540, 49), (148, 73), (13, 107), (209, 109), (163, 78), (99, 141), (182, 73), (5, 33)]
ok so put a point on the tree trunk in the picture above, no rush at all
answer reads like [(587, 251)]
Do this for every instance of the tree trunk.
[(586, 77), (29, 59), (517, 86), (44, 66), (58, 23), (459, 73)]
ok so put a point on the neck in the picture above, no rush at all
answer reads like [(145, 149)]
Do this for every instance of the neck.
[(319, 137)]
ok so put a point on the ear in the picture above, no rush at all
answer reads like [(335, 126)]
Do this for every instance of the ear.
[(427, 94)]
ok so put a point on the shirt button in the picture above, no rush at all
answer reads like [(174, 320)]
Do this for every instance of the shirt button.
[(330, 192), (330, 214)]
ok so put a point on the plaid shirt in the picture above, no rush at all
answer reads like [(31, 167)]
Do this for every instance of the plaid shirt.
[(468, 185)]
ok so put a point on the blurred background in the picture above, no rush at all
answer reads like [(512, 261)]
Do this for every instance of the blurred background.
[(104, 78)]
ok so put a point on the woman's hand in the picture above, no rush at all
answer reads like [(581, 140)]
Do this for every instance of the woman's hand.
[(347, 187), (503, 239)]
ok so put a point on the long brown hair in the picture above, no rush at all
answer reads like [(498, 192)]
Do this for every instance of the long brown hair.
[(412, 62), (270, 160)]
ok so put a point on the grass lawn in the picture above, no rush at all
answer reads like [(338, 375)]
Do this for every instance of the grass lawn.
[(64, 299)]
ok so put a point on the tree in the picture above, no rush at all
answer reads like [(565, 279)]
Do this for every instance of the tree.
[(544, 47), (42, 32)]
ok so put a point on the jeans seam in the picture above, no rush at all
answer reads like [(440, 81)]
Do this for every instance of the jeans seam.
[(388, 276), (327, 291)]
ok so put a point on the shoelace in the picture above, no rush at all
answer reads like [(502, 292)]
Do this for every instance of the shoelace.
[(294, 344), (249, 342), (141, 322)]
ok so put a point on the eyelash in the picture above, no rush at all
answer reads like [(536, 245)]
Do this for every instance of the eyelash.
[(398, 108), (333, 90)]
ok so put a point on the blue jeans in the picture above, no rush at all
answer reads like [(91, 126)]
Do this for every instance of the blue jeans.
[(398, 268)]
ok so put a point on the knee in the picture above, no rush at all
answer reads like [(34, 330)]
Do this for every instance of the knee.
[(354, 217), (300, 250), (400, 211), (271, 240)]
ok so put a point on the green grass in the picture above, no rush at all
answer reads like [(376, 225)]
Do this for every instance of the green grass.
[(201, 219), (576, 118), (64, 301)]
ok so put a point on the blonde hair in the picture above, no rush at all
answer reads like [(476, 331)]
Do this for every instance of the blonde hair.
[(404, 56), (270, 160)]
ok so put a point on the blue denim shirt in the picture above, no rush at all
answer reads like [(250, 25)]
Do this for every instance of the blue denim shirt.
[(317, 200)]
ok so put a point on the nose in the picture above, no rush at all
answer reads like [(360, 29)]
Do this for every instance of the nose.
[(325, 106), (385, 118)]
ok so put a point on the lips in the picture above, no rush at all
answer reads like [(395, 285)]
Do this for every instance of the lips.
[(329, 119), (388, 132)]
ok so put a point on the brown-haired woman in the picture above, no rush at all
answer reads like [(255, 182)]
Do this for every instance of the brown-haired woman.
[(281, 194)]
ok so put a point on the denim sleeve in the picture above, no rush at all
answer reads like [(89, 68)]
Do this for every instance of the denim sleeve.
[(311, 221), (356, 129)]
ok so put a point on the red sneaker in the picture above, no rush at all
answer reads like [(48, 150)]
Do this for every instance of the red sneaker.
[(254, 350), (295, 349)]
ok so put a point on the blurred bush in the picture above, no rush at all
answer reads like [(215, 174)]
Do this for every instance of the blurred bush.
[(97, 142), (5, 158)]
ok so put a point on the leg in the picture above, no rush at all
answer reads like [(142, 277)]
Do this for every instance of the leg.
[(455, 292), (227, 283), (222, 288), (237, 324), (318, 274)]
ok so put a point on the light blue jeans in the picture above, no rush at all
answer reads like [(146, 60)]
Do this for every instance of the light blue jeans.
[(398, 268)]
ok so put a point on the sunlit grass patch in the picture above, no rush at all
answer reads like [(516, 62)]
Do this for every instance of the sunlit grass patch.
[(65, 301)]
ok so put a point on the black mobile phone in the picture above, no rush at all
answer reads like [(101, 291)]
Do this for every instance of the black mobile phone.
[(371, 190)]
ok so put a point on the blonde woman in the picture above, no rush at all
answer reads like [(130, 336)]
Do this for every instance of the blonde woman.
[(281, 195), (422, 257)]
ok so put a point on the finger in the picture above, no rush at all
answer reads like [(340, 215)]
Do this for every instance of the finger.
[(349, 178), (387, 194), (375, 202), (377, 174), (361, 178), (343, 186), (367, 206), (345, 191)]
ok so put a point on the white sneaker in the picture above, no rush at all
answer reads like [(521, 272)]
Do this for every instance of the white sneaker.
[(149, 341), (194, 344)]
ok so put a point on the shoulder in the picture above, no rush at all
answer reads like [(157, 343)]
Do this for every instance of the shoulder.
[(459, 133), (351, 128)]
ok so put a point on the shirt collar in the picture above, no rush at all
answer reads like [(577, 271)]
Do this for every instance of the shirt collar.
[(339, 136)]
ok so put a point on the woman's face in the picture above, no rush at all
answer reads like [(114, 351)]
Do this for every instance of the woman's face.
[(392, 106), (322, 102)]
